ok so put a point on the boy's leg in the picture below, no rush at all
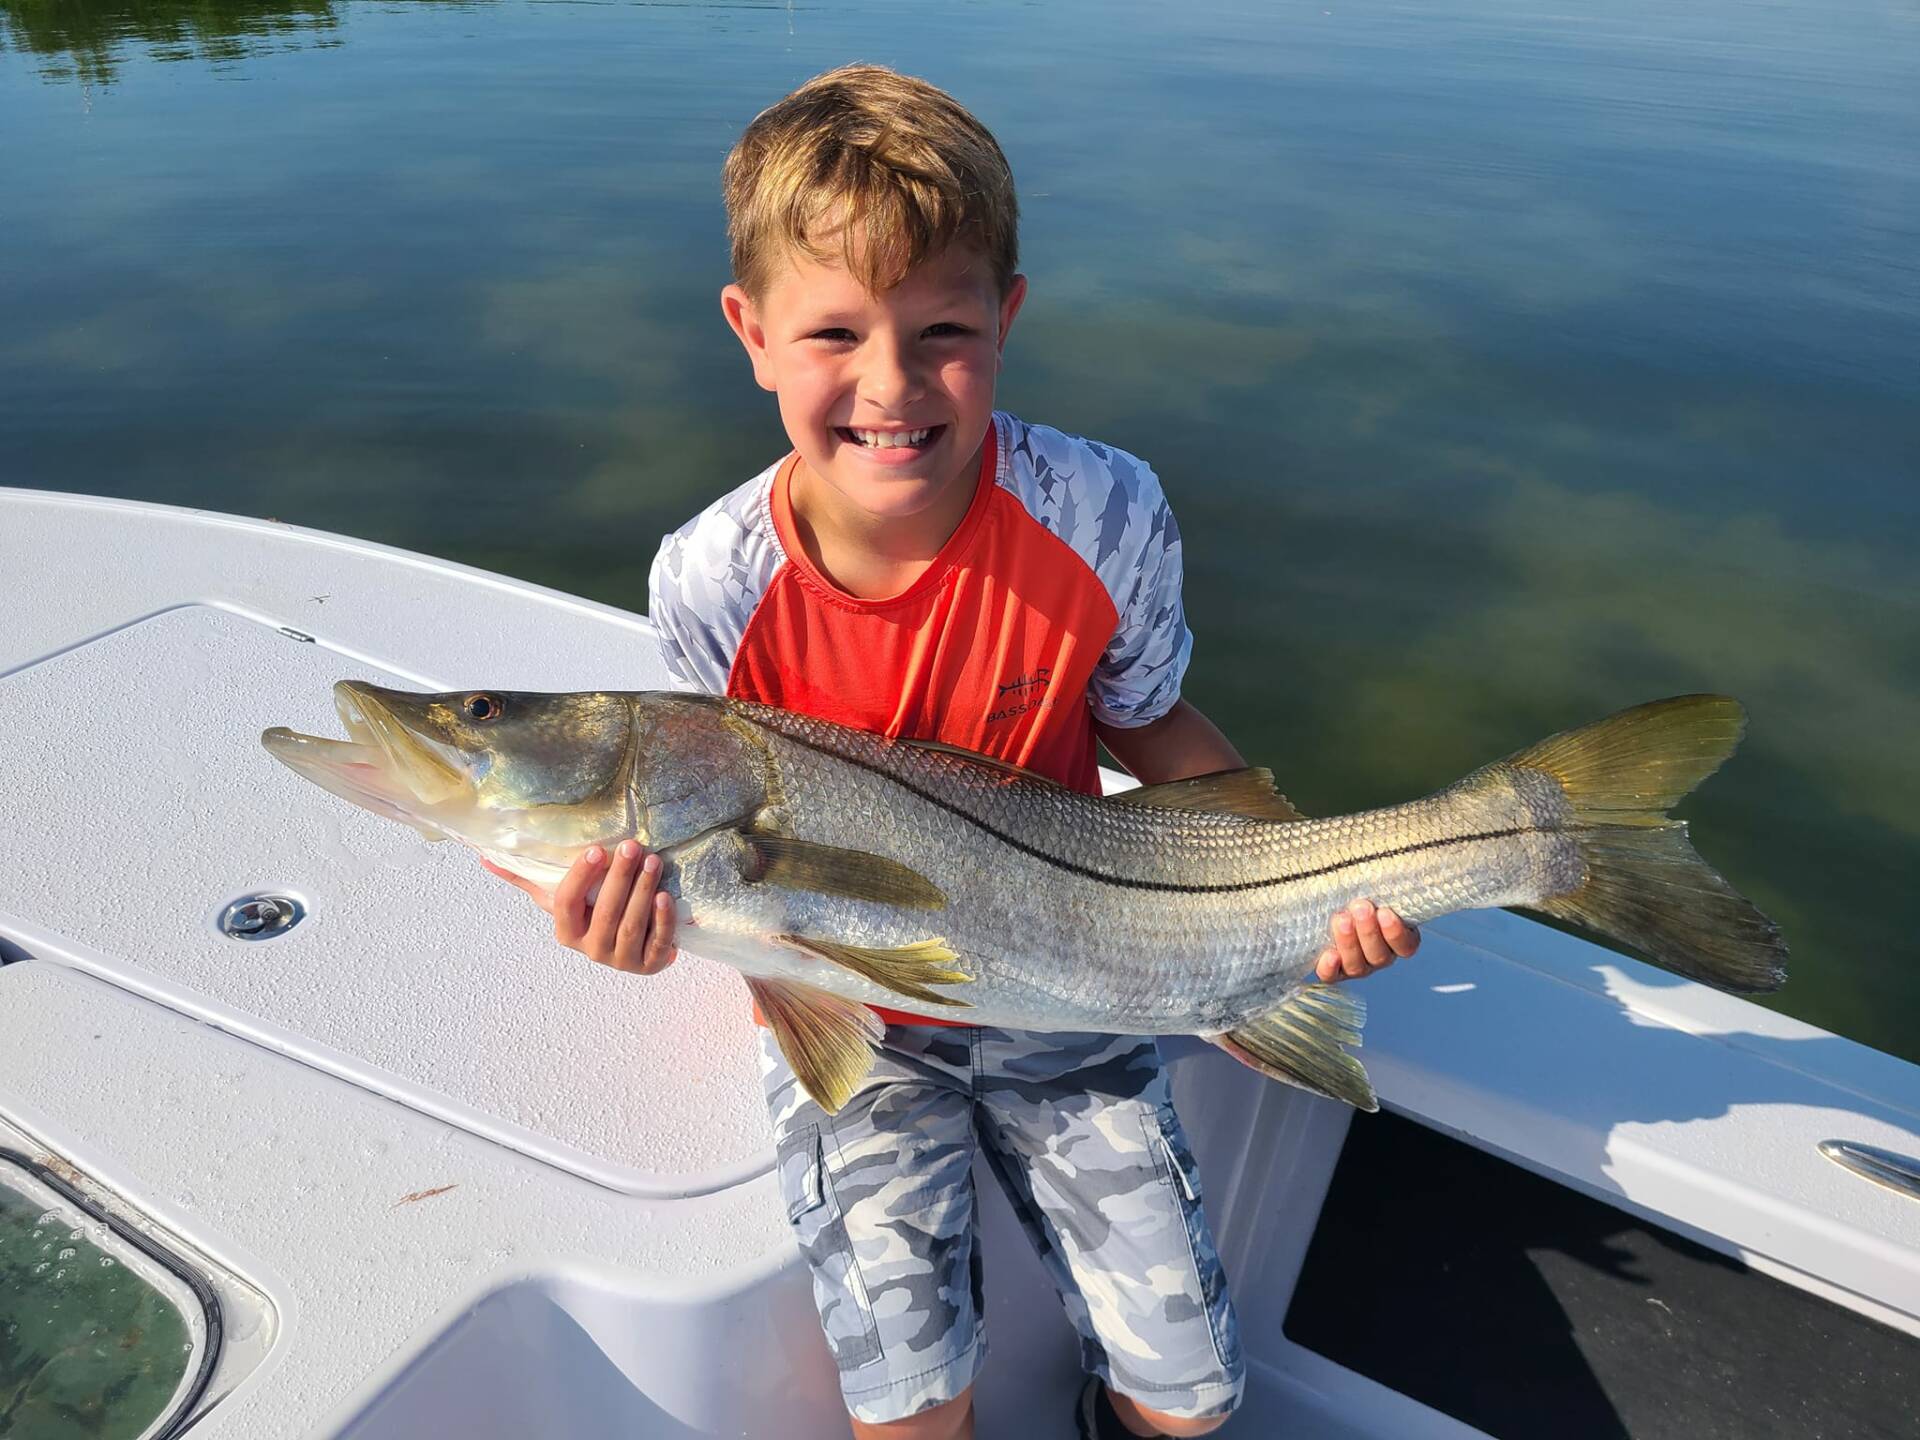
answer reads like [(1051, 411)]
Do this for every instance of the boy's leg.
[(1081, 1131), (949, 1420), (880, 1197)]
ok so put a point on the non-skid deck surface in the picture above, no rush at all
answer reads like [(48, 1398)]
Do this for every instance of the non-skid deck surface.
[(137, 757)]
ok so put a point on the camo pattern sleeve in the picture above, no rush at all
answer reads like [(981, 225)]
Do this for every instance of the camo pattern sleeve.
[(707, 581), (1108, 508)]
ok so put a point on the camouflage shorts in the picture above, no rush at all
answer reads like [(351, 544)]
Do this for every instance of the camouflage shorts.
[(1081, 1132)]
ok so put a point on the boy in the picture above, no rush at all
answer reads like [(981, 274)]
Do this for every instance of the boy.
[(925, 567)]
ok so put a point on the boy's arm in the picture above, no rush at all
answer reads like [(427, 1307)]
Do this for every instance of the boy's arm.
[(1183, 743), (1179, 745)]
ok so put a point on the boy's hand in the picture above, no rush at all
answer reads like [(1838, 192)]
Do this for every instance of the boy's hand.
[(1365, 940), (628, 925)]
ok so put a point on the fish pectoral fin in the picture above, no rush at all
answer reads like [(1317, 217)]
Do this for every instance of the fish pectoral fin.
[(1246, 792), (829, 870), (827, 1040), (1301, 1041), (907, 970)]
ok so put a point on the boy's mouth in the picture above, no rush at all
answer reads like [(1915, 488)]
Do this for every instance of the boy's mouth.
[(903, 441)]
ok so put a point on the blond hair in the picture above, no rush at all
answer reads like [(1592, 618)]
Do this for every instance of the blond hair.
[(876, 169)]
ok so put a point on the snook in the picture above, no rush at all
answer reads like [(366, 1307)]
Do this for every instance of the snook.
[(838, 869)]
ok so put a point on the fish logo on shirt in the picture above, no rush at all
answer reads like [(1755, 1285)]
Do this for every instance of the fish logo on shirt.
[(1037, 680), (1023, 694)]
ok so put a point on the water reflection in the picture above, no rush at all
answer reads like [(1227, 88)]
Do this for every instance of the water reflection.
[(87, 41)]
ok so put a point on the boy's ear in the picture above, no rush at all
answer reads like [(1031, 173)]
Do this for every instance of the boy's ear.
[(1010, 304), (743, 317)]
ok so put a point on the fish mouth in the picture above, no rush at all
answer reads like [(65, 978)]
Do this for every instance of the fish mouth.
[(384, 765)]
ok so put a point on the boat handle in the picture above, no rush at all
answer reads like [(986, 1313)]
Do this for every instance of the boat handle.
[(1898, 1173)]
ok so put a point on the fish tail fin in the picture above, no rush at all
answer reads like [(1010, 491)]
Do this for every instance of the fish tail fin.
[(1643, 882)]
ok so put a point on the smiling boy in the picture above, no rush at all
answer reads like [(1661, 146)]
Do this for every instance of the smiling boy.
[(923, 566)]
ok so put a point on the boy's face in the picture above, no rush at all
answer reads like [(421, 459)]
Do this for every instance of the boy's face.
[(886, 397)]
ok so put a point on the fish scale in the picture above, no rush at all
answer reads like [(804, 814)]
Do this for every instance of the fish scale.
[(839, 870), (1243, 917)]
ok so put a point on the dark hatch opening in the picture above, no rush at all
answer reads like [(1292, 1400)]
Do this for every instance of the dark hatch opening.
[(1529, 1310)]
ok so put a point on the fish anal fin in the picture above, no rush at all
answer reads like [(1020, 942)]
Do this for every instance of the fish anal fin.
[(906, 970), (1246, 792), (830, 870), (828, 1040), (1301, 1042)]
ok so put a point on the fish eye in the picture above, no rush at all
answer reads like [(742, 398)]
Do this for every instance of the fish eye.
[(482, 707)]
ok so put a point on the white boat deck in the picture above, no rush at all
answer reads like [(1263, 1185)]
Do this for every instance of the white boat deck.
[(603, 1251)]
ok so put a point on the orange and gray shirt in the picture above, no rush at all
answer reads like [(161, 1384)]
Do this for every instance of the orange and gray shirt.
[(1055, 602)]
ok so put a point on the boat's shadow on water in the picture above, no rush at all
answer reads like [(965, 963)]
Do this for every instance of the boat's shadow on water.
[(1519, 1304)]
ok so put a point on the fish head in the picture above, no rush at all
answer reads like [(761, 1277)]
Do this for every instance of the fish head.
[(512, 773)]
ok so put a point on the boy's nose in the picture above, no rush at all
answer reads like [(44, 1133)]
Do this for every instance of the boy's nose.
[(890, 377)]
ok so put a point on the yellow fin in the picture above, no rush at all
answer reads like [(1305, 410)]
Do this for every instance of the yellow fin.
[(1649, 887), (1247, 792), (907, 971), (1300, 1041), (827, 1040), (1643, 883), (830, 870), (1634, 766)]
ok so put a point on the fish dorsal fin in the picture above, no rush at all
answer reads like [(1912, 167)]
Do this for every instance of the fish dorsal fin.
[(1246, 792), (906, 970), (1300, 1041), (827, 1040), (984, 762), (830, 870)]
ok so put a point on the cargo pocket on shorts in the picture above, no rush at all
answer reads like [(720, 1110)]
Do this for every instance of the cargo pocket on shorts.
[(1176, 1165), (818, 1224)]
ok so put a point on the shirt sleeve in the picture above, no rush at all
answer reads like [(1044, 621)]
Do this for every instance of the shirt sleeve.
[(705, 583), (1138, 678), (690, 652)]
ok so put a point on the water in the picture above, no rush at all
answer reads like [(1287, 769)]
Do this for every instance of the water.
[(1506, 363), (88, 1349)]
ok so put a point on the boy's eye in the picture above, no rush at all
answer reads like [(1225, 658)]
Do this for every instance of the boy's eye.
[(836, 333), (946, 328)]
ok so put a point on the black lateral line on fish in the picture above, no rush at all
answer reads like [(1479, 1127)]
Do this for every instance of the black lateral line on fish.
[(1337, 865), (1174, 886)]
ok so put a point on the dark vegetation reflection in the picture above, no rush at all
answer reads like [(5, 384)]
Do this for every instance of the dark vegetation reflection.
[(84, 40), (1505, 366)]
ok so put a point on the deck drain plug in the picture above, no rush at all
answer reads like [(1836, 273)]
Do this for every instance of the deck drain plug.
[(261, 917)]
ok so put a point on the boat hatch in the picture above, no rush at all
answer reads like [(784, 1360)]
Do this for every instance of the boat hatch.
[(1524, 1308), (103, 1332)]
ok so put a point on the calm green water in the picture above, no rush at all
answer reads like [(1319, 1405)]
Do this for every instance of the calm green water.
[(88, 1349), (1507, 362)]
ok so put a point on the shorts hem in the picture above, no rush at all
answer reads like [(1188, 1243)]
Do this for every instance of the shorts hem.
[(869, 1405), (1192, 1402)]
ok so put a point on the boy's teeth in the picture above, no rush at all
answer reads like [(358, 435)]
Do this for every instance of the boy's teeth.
[(888, 439)]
